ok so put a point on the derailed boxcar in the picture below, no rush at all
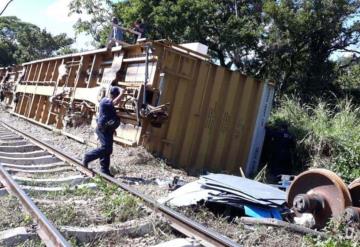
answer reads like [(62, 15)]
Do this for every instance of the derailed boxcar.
[(195, 114)]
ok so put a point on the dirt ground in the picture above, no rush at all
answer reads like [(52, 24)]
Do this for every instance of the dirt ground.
[(150, 175)]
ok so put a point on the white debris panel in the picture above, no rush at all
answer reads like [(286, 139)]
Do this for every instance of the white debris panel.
[(226, 189)]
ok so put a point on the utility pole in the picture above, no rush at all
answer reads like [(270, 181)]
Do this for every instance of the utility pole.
[(6, 7)]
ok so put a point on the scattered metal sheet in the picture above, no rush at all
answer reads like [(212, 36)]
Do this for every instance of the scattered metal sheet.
[(189, 194), (248, 187), (253, 197)]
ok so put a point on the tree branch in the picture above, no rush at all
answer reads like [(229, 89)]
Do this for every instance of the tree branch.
[(5, 7), (349, 50)]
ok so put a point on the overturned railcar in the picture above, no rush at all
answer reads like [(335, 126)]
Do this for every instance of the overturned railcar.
[(9, 77), (179, 105)]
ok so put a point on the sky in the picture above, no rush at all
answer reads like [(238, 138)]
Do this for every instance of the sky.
[(51, 15)]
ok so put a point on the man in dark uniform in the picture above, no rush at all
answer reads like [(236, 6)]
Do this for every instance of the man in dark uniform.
[(279, 146), (107, 122)]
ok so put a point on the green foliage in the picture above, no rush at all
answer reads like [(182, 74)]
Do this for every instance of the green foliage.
[(118, 205), (301, 37), (100, 16), (62, 215), (340, 235), (213, 23), (327, 135), (27, 219), (350, 78), (21, 42)]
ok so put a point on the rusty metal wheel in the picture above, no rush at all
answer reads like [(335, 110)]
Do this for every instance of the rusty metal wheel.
[(319, 192), (354, 189)]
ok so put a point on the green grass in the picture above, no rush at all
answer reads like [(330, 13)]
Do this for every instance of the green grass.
[(328, 136), (118, 205), (12, 214), (339, 234), (67, 192)]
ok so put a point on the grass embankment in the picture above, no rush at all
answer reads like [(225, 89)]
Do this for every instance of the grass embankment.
[(327, 136)]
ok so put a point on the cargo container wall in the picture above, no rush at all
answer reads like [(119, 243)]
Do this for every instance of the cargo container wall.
[(213, 113)]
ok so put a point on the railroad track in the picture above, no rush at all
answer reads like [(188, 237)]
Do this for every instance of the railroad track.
[(42, 169)]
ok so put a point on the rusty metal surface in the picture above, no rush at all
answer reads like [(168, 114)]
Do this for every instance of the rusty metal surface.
[(181, 223), (319, 192), (352, 214), (354, 189), (46, 230)]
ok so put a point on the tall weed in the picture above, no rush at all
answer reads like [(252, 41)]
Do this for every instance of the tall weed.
[(328, 136)]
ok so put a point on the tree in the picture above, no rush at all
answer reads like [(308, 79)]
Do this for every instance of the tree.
[(289, 41), (22, 42), (349, 78), (99, 13), (210, 22), (301, 37)]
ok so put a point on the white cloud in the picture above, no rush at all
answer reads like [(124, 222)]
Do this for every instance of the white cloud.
[(59, 11), (58, 15)]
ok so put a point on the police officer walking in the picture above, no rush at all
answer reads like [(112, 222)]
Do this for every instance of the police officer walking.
[(107, 123)]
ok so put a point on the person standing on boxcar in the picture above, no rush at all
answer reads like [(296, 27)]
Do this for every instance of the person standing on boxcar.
[(116, 34), (107, 122), (140, 28)]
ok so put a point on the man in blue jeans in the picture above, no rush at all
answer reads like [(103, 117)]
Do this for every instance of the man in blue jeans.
[(107, 122)]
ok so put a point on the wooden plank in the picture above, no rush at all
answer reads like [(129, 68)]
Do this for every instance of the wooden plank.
[(40, 108), (69, 82), (94, 66), (55, 72), (109, 74), (28, 72), (31, 106), (34, 106), (45, 113)]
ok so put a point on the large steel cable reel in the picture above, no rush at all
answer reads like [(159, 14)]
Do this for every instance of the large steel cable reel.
[(319, 192)]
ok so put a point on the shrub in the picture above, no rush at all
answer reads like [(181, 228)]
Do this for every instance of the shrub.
[(328, 136)]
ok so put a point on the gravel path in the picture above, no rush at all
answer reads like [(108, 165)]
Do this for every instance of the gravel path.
[(133, 165)]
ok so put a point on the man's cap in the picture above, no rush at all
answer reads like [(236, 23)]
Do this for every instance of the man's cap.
[(114, 91), (115, 20)]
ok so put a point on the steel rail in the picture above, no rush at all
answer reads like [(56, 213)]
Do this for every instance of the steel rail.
[(46, 230), (181, 223)]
